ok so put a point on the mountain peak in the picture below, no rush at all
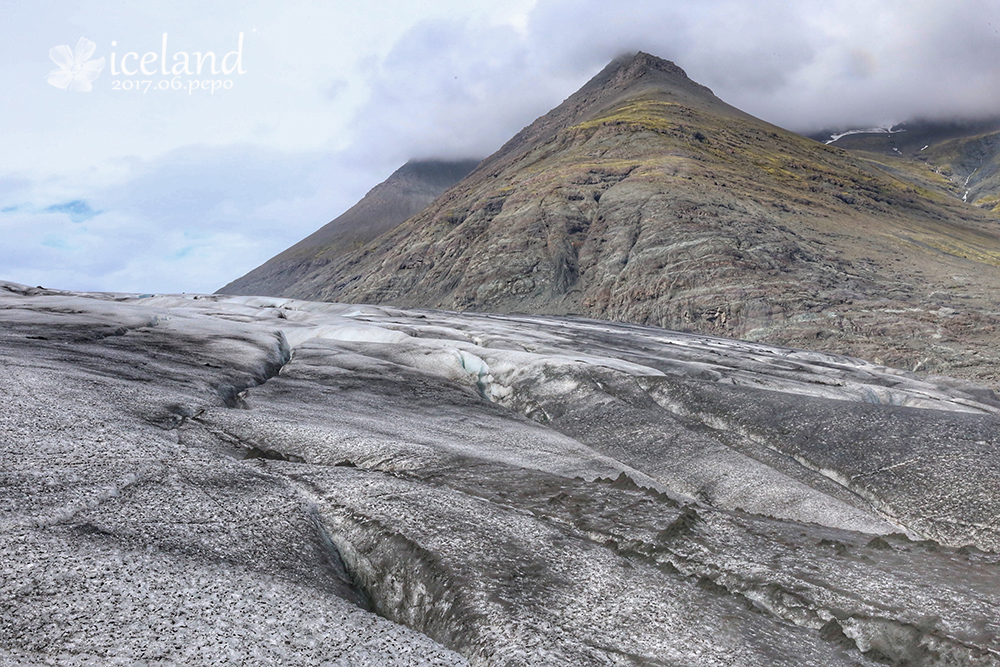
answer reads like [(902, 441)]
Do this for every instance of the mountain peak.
[(625, 77), (641, 71), (627, 69)]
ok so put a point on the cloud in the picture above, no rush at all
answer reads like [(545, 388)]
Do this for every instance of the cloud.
[(458, 88), (191, 220), (453, 89)]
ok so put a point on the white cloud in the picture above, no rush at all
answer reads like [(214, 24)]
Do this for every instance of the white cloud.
[(191, 220)]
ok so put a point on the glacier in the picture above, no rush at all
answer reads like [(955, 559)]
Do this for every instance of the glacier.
[(205, 479)]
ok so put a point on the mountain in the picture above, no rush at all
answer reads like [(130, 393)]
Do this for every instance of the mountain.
[(407, 191), (205, 480), (959, 158), (644, 198)]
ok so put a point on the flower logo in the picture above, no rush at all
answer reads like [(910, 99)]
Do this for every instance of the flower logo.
[(76, 71)]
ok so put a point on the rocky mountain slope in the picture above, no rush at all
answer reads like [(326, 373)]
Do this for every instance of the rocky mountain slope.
[(644, 198), (208, 480), (961, 159), (407, 191)]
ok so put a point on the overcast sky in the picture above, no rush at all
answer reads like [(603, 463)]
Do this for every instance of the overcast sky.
[(130, 187)]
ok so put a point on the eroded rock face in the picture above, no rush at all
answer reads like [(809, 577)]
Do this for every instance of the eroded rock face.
[(247, 480)]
